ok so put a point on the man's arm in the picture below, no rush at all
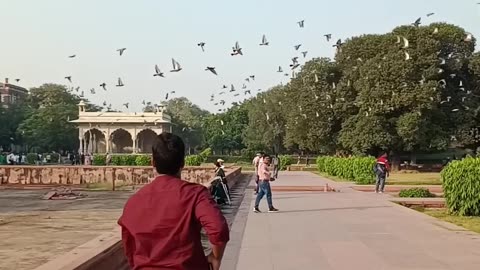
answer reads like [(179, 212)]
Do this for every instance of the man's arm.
[(213, 222), (128, 245)]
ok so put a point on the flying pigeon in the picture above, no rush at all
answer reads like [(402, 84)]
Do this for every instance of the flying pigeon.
[(442, 61), (328, 36), (430, 14), (158, 72), (201, 45), (406, 44), (338, 44), (247, 92), (247, 79), (72, 56), (264, 41), (304, 54), (104, 103), (316, 78), (17, 80), (232, 88), (236, 95), (297, 47), (294, 66), (280, 69), (126, 105), (211, 69), (121, 51), (286, 74), (119, 83), (166, 96), (435, 31), (104, 86), (143, 102), (221, 93), (222, 102), (69, 78), (92, 91), (82, 94), (176, 66), (407, 56), (417, 22), (301, 23), (252, 77), (469, 37), (244, 86), (268, 117), (77, 89), (236, 49)]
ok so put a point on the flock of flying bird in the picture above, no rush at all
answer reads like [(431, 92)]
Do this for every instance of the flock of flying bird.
[(237, 50)]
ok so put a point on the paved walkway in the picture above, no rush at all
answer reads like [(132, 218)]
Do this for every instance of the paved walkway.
[(344, 230)]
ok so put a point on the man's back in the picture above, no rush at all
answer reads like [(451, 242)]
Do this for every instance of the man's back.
[(161, 225)]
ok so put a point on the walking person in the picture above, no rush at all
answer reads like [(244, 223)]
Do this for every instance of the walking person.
[(220, 190), (264, 186), (256, 163), (161, 223), (382, 171), (276, 166)]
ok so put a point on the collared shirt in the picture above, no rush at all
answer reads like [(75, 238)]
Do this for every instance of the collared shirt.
[(264, 172), (161, 225)]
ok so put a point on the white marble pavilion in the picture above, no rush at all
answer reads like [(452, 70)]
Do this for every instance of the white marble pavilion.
[(119, 132)]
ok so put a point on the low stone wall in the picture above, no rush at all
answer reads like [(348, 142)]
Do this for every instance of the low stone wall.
[(81, 175), (106, 251)]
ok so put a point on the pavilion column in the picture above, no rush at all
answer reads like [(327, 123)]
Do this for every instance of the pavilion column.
[(134, 139), (107, 141), (80, 145)]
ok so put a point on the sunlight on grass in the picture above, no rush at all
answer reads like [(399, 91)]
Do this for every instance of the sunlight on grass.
[(469, 223), (414, 179)]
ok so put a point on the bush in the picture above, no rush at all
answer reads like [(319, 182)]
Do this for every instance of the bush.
[(205, 154), (31, 158), (193, 160), (358, 169), (53, 157), (285, 161), (416, 193), (461, 186), (143, 160), (99, 160)]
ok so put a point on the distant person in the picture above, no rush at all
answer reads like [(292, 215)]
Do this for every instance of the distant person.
[(71, 157), (220, 189), (264, 186), (382, 171), (255, 163), (11, 159), (276, 166), (82, 159), (161, 223), (299, 159), (108, 159)]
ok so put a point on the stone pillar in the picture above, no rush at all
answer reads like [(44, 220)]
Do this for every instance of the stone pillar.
[(107, 141), (134, 140)]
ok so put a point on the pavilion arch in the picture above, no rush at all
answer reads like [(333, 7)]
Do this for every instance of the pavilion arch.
[(122, 141), (145, 139), (94, 141)]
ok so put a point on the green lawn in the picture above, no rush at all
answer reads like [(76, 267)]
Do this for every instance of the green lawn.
[(469, 223), (414, 179)]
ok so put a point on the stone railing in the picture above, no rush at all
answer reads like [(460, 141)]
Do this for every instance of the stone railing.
[(106, 251), (82, 175)]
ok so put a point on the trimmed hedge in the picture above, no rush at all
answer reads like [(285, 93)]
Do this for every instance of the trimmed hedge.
[(416, 193), (122, 160), (193, 160), (461, 186), (32, 158), (358, 169), (99, 160)]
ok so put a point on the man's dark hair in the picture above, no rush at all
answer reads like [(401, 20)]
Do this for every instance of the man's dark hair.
[(168, 153)]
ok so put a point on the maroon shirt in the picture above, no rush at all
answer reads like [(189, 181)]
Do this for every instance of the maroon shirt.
[(161, 225)]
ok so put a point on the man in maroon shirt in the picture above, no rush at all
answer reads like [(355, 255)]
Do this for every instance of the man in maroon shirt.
[(161, 223)]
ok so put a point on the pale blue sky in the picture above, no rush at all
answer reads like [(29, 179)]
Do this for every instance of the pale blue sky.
[(38, 35)]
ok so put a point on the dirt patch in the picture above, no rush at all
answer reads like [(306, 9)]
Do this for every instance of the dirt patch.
[(33, 231)]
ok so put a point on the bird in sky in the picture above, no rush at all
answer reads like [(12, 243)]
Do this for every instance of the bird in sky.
[(72, 56), (247, 92), (406, 43), (297, 47), (92, 91), (252, 77), (469, 37), (201, 45), (264, 41), (211, 69), (119, 82), (158, 72), (224, 87), (338, 44), (407, 56), (435, 31), (280, 69), (247, 79), (237, 50), (232, 88), (121, 51), (104, 86), (301, 23), (328, 36), (69, 78), (430, 14), (417, 22), (304, 54), (17, 80), (316, 78), (126, 105), (166, 96), (176, 66), (244, 86)]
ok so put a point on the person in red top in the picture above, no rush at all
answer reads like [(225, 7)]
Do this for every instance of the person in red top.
[(161, 223), (382, 171)]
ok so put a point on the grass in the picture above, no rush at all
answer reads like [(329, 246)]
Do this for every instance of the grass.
[(469, 223), (414, 179)]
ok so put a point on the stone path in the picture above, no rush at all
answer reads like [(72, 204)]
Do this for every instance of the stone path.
[(344, 230)]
